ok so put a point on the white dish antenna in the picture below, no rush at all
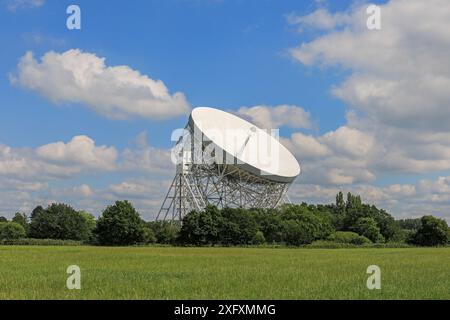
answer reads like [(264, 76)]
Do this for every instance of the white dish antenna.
[(226, 161)]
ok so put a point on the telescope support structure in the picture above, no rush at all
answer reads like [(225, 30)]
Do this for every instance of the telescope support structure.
[(197, 186)]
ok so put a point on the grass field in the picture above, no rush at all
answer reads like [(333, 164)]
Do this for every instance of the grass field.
[(222, 273)]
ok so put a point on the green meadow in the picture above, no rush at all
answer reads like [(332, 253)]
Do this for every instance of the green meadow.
[(39, 272)]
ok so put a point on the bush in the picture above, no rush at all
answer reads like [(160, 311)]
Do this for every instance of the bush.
[(237, 227), (368, 228), (348, 237), (120, 225), (324, 244), (201, 228), (11, 231), (40, 242), (259, 238), (302, 226), (165, 232), (149, 235), (432, 232)]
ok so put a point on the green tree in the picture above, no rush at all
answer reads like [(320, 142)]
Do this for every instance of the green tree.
[(270, 224), (36, 211), (304, 224), (59, 221), (259, 238), (410, 224), (120, 224), (353, 202), (432, 232), (22, 219), (201, 228), (237, 226), (91, 223), (3, 219), (368, 228), (165, 232), (11, 230), (149, 235), (340, 203)]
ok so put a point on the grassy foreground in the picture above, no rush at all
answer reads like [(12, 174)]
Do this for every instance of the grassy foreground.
[(28, 272)]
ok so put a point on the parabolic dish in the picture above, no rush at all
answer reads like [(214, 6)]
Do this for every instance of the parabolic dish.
[(256, 151)]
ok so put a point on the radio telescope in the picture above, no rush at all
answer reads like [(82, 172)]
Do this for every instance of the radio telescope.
[(226, 161)]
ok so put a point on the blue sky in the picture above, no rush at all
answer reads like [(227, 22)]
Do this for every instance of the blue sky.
[(228, 55)]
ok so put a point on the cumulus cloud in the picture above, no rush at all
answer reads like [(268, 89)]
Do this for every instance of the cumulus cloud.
[(57, 160), (272, 117), (80, 150), (429, 196), (52, 173), (146, 158), (117, 92), (83, 190), (339, 157), (398, 82), (141, 189)]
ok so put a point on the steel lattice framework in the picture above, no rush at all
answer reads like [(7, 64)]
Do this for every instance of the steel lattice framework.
[(197, 185)]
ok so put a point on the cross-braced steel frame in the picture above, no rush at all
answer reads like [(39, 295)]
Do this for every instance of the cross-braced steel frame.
[(197, 185)]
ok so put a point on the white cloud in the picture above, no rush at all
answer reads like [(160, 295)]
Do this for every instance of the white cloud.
[(319, 19), (141, 188), (147, 159), (57, 160), (83, 190), (401, 200), (52, 173), (398, 83), (339, 157), (14, 5), (273, 117), (80, 150), (117, 92)]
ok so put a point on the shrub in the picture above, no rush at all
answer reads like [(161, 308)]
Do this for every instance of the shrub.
[(165, 232), (201, 228), (325, 244), (149, 235), (259, 238), (302, 226), (237, 227), (40, 242), (11, 230), (432, 232), (120, 224), (368, 228), (348, 237)]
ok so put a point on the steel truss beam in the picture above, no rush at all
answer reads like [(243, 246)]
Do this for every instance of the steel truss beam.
[(223, 185)]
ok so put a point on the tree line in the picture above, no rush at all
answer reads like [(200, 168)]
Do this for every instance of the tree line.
[(347, 221)]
